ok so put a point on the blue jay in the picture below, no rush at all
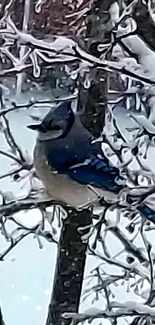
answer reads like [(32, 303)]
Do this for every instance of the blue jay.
[(70, 164)]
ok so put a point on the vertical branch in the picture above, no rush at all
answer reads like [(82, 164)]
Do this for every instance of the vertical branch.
[(69, 269), (94, 99), (26, 15)]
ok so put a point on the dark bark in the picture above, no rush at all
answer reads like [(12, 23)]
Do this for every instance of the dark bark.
[(17, 14), (1, 318), (94, 99), (69, 269), (145, 26)]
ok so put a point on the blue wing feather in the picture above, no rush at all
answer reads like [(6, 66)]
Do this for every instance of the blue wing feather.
[(97, 174), (147, 212), (92, 170), (77, 157)]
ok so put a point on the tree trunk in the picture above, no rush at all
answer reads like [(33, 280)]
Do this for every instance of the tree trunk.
[(94, 99), (69, 269), (71, 251)]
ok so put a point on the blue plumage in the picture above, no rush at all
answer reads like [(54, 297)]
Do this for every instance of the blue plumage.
[(97, 172), (74, 158), (67, 159), (77, 156), (147, 212), (103, 177)]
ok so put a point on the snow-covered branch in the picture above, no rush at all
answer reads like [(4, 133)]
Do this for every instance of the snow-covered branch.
[(118, 310), (120, 237)]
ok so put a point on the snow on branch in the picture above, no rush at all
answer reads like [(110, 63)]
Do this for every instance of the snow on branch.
[(117, 310), (120, 239), (59, 50)]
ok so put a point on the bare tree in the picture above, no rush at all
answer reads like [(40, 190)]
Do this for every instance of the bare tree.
[(107, 59)]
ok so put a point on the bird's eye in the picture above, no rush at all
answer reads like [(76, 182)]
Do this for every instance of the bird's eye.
[(56, 127)]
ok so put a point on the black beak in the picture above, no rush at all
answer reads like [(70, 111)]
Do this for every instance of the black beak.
[(35, 127)]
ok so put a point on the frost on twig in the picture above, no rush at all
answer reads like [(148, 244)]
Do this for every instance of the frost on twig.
[(10, 208), (35, 53), (117, 310), (35, 199), (128, 63)]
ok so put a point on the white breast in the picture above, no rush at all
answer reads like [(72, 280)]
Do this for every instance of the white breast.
[(60, 187)]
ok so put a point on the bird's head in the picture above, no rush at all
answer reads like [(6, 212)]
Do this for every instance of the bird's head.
[(56, 123)]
